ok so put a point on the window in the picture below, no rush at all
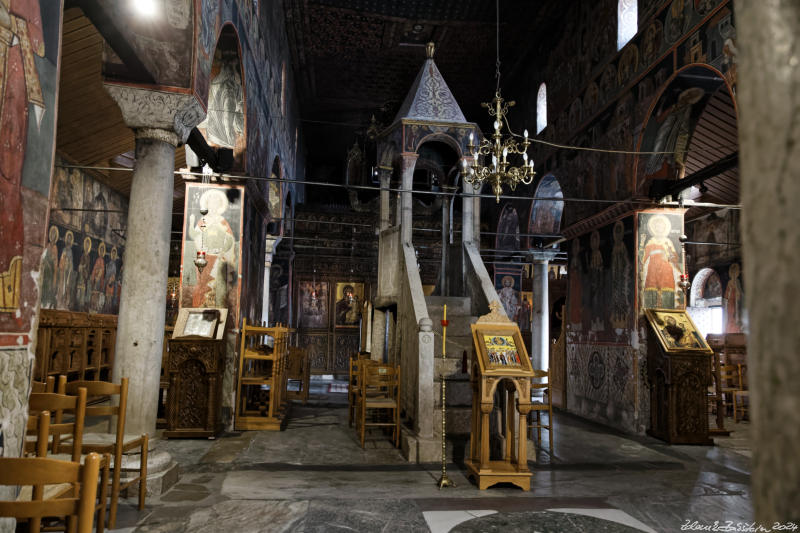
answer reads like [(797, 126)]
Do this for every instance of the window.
[(541, 108), (627, 21)]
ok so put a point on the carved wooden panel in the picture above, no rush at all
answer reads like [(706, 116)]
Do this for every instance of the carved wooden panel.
[(193, 396), (317, 346), (345, 346)]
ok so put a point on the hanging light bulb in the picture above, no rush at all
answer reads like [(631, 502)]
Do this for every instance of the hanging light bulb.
[(200, 261)]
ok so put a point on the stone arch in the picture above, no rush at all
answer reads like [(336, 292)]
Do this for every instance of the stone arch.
[(706, 289), (225, 125), (671, 120), (445, 138)]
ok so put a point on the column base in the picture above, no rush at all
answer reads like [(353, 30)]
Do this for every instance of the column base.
[(162, 473), (417, 449)]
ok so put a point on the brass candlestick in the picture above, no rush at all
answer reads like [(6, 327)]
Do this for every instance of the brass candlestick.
[(444, 481)]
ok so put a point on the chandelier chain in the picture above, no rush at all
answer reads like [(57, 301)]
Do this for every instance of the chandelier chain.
[(497, 48)]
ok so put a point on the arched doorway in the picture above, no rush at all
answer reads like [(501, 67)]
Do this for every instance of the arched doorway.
[(706, 302)]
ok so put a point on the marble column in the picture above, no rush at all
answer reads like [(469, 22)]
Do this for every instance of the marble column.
[(409, 162), (161, 121), (446, 200), (467, 206), (768, 82), (540, 326), (386, 213), (271, 243)]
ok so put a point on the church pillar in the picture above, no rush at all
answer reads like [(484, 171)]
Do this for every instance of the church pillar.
[(540, 326), (161, 121), (270, 250), (467, 223), (446, 200), (386, 214), (768, 79), (409, 162)]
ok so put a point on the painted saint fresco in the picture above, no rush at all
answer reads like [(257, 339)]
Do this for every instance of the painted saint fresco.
[(217, 235), (601, 284), (508, 229), (349, 297), (23, 105), (224, 125), (734, 301), (508, 282), (546, 214), (525, 313), (313, 309), (82, 260), (660, 261)]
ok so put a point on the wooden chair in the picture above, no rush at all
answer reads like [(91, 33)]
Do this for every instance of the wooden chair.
[(57, 437), (39, 471), (57, 405), (730, 382), (740, 396), (116, 443), (299, 369), (540, 404), (48, 385), (356, 363), (379, 391)]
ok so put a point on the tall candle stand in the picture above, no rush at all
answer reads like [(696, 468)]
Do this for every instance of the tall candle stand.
[(444, 481)]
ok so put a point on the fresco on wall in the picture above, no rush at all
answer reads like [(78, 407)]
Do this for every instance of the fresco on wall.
[(508, 229), (28, 57), (601, 284), (224, 125), (673, 120), (82, 261), (218, 234), (734, 301), (659, 260), (546, 214)]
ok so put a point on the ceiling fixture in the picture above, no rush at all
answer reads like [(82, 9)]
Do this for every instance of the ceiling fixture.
[(146, 8), (500, 171)]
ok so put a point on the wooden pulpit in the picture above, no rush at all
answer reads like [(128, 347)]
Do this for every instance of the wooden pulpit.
[(679, 376)]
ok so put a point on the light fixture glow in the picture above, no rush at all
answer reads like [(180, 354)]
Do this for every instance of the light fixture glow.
[(145, 8)]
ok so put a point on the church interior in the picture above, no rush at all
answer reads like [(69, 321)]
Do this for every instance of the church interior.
[(418, 265)]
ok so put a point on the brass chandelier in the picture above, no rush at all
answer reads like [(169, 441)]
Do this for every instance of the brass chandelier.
[(500, 171)]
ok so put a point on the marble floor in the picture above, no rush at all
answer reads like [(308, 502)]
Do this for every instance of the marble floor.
[(314, 477)]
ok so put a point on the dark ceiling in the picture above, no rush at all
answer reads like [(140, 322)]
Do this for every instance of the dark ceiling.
[(357, 58)]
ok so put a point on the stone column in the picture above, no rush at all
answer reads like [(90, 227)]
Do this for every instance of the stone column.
[(467, 206), (540, 327), (386, 213), (446, 199), (161, 121), (271, 243), (425, 382), (769, 79), (409, 162)]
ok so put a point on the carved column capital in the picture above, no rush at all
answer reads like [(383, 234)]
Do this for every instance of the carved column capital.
[(161, 115)]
